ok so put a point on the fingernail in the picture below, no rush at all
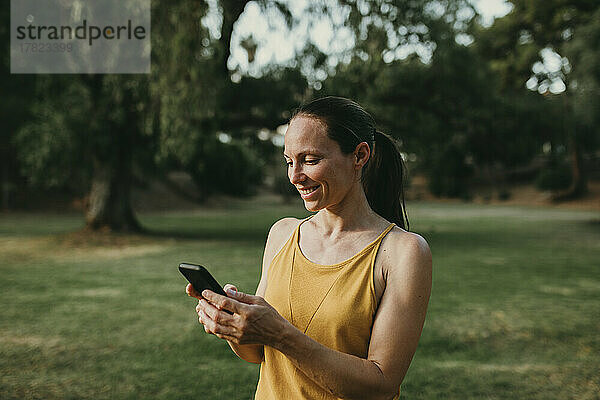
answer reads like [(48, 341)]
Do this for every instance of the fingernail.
[(231, 292), (204, 293)]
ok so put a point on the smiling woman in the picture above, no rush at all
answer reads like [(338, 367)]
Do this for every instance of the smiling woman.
[(343, 294), (350, 131)]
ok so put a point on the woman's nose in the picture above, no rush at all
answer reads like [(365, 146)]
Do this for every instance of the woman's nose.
[(296, 175)]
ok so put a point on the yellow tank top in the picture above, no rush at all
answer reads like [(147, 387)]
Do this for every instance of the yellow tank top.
[(338, 313)]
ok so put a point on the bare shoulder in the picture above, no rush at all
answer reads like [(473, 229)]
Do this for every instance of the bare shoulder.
[(281, 230), (406, 252), (285, 224), (279, 233)]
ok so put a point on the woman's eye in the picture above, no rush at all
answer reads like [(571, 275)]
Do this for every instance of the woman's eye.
[(311, 162)]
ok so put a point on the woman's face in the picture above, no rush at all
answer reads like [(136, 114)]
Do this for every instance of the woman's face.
[(321, 173)]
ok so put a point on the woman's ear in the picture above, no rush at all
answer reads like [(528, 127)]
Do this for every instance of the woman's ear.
[(361, 155)]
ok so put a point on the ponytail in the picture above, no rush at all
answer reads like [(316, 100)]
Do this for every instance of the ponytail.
[(383, 175), (383, 180)]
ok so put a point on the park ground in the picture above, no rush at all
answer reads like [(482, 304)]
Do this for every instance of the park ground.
[(514, 311)]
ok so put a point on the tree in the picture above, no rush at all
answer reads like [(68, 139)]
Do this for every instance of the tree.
[(513, 44), (93, 145), (582, 52), (95, 132), (446, 109), (17, 94)]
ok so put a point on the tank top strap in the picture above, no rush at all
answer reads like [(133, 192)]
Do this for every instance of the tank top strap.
[(296, 234), (304, 220), (384, 233), (377, 243)]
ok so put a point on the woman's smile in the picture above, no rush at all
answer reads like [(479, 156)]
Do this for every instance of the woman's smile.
[(307, 193)]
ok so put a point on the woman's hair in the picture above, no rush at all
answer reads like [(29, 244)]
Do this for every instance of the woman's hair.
[(383, 175)]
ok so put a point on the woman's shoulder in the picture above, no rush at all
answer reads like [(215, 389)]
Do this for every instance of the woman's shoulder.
[(405, 250), (402, 238), (284, 227), (280, 232)]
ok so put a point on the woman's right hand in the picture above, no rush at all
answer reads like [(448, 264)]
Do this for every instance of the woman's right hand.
[(254, 321)]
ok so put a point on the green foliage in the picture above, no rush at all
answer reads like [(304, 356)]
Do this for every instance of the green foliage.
[(48, 152), (449, 174), (230, 168), (52, 151), (571, 29), (18, 92), (464, 103), (555, 176), (512, 43), (448, 112), (584, 56), (163, 121), (258, 103), (185, 79), (78, 120), (474, 96), (196, 100)]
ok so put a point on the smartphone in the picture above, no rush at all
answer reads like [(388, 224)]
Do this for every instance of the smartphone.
[(200, 278)]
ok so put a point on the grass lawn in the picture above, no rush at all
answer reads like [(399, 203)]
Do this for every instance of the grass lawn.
[(514, 312)]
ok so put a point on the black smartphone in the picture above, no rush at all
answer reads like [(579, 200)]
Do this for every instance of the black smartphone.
[(200, 278)]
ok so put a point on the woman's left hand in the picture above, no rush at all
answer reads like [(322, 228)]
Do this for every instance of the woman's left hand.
[(254, 321)]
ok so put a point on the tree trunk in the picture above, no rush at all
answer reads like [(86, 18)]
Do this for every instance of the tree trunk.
[(109, 204), (5, 184), (579, 182)]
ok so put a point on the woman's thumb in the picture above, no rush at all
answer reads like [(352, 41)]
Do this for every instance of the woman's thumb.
[(241, 297)]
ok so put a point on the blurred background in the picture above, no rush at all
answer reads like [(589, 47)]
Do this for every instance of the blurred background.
[(109, 181)]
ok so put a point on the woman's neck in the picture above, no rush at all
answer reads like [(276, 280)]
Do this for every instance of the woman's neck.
[(353, 213)]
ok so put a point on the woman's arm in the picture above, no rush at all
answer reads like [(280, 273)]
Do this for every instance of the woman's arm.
[(396, 329)]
